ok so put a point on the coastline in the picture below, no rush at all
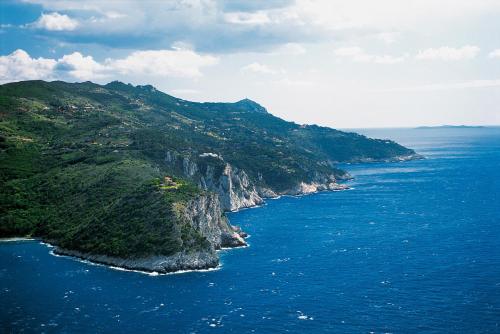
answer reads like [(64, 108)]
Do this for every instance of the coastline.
[(396, 159), (174, 264), (124, 264), (153, 264), (178, 263)]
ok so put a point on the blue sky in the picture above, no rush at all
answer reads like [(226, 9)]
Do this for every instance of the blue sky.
[(337, 63)]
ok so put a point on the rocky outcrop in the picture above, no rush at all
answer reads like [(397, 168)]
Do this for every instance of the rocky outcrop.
[(160, 264), (206, 216), (319, 183), (309, 188), (189, 167), (233, 186)]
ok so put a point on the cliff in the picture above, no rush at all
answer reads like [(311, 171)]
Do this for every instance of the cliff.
[(205, 215), (235, 188)]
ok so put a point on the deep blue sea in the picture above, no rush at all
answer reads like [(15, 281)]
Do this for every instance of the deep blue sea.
[(414, 247)]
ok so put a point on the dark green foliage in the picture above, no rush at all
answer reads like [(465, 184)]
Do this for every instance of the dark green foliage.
[(81, 164), (111, 209)]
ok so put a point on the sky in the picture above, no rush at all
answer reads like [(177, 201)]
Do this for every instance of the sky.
[(344, 64)]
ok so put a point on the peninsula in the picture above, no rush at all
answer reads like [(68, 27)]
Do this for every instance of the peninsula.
[(132, 177)]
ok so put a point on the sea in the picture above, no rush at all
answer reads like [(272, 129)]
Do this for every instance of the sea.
[(412, 247)]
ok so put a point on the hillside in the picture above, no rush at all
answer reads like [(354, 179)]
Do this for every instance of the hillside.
[(119, 172)]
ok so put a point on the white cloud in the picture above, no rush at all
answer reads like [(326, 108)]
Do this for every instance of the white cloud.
[(173, 63), (348, 51), (494, 54), (485, 83), (293, 49), (357, 54), (388, 37), (448, 53), (259, 68), (147, 64), (20, 66), (81, 67), (246, 18), (114, 15), (55, 22), (387, 14), (294, 83)]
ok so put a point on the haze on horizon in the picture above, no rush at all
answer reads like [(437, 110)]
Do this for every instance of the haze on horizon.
[(345, 64)]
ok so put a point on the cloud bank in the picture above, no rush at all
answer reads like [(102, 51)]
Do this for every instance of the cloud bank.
[(225, 25), (177, 63), (20, 66)]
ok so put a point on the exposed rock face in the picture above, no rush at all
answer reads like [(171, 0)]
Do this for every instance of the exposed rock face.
[(160, 264), (319, 183), (309, 188), (228, 188), (206, 216), (235, 189), (189, 167)]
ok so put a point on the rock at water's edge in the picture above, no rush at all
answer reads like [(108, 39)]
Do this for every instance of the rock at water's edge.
[(159, 264)]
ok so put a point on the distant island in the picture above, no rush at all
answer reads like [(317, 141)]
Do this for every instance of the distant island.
[(451, 127), (132, 177)]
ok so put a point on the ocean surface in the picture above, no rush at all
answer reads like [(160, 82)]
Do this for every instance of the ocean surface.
[(414, 247)]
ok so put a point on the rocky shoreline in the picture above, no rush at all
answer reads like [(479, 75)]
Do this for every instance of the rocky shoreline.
[(154, 264), (399, 158), (189, 261)]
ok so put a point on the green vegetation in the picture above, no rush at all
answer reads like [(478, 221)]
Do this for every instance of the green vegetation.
[(83, 165)]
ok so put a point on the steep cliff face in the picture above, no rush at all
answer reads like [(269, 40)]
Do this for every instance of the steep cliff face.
[(235, 189), (211, 173), (233, 186), (206, 216)]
